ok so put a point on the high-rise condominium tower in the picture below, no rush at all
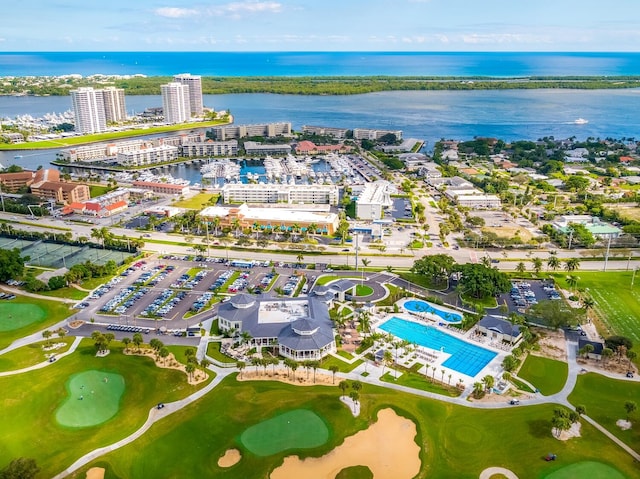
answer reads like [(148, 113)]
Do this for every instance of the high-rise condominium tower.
[(175, 102), (88, 108), (195, 91), (114, 106)]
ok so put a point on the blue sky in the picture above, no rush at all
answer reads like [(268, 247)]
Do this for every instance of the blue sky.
[(321, 25)]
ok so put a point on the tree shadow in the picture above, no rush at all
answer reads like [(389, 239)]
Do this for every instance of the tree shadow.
[(540, 428)]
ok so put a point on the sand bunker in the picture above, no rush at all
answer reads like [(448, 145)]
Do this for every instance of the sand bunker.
[(574, 431), (387, 448), (95, 473), (170, 363), (231, 458), (281, 375), (490, 472), (623, 424)]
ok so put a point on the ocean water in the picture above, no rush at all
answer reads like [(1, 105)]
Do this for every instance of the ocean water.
[(427, 115), (497, 64)]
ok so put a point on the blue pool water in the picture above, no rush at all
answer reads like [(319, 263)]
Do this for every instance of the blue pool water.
[(466, 358), (418, 306)]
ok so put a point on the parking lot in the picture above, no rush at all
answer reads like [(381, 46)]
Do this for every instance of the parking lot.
[(525, 294)]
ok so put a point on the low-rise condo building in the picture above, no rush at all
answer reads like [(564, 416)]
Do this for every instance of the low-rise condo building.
[(276, 193)]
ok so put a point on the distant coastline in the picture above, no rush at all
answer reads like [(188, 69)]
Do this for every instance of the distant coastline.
[(341, 85)]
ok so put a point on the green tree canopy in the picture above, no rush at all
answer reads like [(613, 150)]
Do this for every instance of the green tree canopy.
[(555, 314), (11, 264), (21, 468), (436, 266), (481, 281)]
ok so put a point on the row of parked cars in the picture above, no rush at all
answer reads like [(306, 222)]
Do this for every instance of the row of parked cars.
[(15, 282), (7, 296), (124, 300), (164, 303), (239, 284), (128, 329), (290, 286), (201, 302), (223, 278), (187, 282), (153, 277)]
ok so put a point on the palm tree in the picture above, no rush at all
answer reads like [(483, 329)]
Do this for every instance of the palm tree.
[(571, 264), (190, 369), (126, 342), (587, 303), (478, 389), (256, 362), (314, 365), (537, 265), (553, 263), (163, 353), (343, 385), (334, 369), (488, 381), (312, 228), (354, 397), (630, 407), (521, 268), (300, 257), (235, 225), (572, 281), (46, 334), (294, 365), (449, 381), (215, 222), (606, 354), (387, 359), (241, 365), (137, 340)]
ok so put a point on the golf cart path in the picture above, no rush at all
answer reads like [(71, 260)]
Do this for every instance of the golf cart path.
[(21, 292), (154, 416), (46, 363)]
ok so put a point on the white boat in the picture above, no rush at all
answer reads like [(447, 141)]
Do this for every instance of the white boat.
[(581, 121)]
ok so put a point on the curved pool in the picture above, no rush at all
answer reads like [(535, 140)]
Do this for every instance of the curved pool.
[(419, 306)]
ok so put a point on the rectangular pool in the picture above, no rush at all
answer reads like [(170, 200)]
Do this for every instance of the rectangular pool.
[(466, 358)]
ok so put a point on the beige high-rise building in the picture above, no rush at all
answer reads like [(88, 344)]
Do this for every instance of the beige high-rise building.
[(175, 103), (194, 82), (114, 106)]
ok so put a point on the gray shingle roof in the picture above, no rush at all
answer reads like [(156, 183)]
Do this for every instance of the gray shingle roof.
[(500, 325)]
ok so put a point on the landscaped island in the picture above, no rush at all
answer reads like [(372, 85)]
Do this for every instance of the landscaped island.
[(343, 85)]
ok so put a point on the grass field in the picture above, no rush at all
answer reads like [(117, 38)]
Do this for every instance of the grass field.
[(548, 375), (31, 354), (322, 280), (17, 315), (93, 397), (455, 441), (590, 469), (295, 429), (617, 302), (196, 202), (418, 381), (363, 290), (54, 311), (604, 400), (30, 400)]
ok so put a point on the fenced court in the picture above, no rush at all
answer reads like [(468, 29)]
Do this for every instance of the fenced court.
[(55, 255)]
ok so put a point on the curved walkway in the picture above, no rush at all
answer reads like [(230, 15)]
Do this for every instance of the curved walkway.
[(20, 292), (154, 416), (44, 364)]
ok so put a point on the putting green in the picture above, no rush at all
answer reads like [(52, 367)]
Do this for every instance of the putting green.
[(296, 429), (93, 398), (590, 469), (17, 315)]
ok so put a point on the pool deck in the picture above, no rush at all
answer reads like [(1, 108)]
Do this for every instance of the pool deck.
[(434, 358)]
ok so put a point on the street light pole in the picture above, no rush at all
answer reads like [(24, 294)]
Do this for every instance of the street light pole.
[(606, 255)]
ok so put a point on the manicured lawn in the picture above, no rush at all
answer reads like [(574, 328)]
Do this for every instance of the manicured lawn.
[(98, 190), (196, 202), (355, 472), (16, 315), (489, 302), (604, 400), (69, 293), (296, 429), (30, 401), (363, 290), (617, 302), (590, 469), (54, 311), (548, 375), (343, 367), (31, 354), (213, 350), (418, 381), (322, 280), (455, 441)]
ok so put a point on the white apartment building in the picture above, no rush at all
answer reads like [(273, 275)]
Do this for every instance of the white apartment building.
[(474, 200), (115, 110), (209, 148), (325, 131), (253, 148), (240, 131), (275, 193), (148, 155), (175, 103), (373, 199), (88, 108), (365, 134), (194, 82)]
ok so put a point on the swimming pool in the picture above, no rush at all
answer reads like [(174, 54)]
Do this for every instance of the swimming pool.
[(466, 358), (419, 306)]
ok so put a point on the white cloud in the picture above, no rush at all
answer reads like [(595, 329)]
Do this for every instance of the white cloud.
[(174, 12), (501, 38), (238, 9)]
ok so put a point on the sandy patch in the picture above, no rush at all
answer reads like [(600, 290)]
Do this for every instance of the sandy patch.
[(281, 375), (75, 323), (53, 346), (387, 448), (354, 407), (489, 472), (96, 473), (552, 344), (231, 458), (574, 431), (170, 362), (623, 424)]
